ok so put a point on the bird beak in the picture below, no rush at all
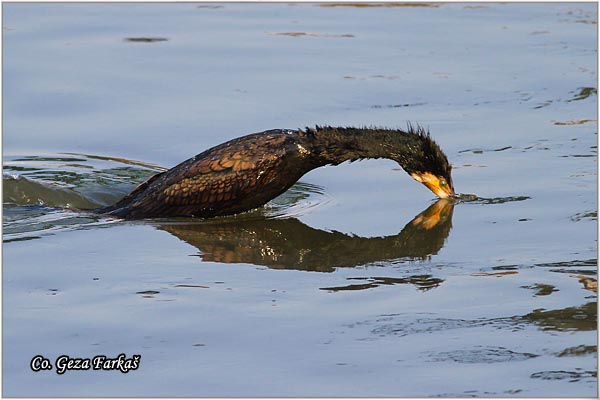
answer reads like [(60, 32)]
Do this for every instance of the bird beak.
[(433, 183)]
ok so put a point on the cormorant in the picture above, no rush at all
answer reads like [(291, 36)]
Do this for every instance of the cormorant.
[(247, 172)]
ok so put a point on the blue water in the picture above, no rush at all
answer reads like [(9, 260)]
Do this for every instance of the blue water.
[(340, 287)]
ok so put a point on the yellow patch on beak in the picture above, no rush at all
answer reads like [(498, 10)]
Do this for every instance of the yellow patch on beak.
[(439, 186)]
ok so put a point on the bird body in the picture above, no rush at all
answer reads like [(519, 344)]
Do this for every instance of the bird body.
[(247, 172)]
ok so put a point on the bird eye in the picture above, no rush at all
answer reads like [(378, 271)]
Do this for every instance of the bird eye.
[(443, 183)]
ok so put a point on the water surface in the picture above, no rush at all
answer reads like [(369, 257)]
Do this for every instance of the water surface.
[(356, 282)]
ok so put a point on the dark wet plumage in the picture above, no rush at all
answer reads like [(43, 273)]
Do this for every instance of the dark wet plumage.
[(247, 172)]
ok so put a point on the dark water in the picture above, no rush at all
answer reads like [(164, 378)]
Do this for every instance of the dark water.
[(356, 282)]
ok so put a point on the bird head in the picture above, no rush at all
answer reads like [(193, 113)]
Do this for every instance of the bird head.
[(439, 185), (426, 163)]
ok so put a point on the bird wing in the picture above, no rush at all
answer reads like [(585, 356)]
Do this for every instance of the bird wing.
[(212, 180)]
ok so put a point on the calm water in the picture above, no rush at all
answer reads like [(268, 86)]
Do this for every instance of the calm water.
[(353, 283)]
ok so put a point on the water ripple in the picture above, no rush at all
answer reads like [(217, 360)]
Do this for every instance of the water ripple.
[(44, 194)]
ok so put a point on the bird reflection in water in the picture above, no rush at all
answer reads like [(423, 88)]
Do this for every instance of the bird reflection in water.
[(290, 244)]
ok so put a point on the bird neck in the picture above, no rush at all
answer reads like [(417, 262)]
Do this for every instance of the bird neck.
[(336, 145)]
